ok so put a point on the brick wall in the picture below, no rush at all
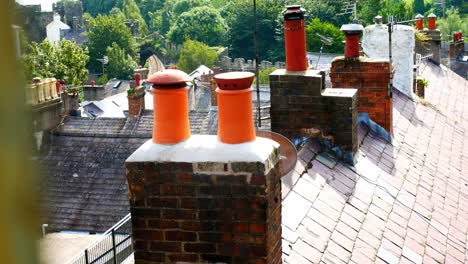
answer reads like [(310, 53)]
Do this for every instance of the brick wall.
[(300, 101), (205, 212), (136, 102), (371, 78), (94, 93)]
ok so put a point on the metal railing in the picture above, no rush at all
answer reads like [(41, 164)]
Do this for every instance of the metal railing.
[(115, 246)]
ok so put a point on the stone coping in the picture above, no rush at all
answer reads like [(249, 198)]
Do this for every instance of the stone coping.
[(205, 148)]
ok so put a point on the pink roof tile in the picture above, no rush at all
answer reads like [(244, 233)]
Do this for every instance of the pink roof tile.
[(404, 202)]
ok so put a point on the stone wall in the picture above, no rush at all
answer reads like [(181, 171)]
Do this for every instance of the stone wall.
[(33, 21), (94, 93), (240, 64), (371, 78), (205, 212), (299, 101)]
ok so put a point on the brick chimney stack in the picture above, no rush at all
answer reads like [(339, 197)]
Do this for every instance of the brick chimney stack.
[(419, 22), (294, 38), (371, 78), (434, 35), (352, 46), (197, 199)]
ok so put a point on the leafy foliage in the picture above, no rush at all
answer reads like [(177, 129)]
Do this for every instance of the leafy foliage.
[(326, 29), (453, 22), (132, 11), (63, 61), (103, 32), (418, 7), (97, 7), (182, 6), (203, 24), (239, 17), (195, 53), (120, 65), (264, 75)]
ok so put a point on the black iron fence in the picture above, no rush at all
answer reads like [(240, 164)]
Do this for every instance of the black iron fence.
[(115, 246)]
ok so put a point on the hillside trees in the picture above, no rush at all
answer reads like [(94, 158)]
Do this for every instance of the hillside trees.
[(103, 32), (203, 24), (239, 17), (63, 61), (326, 29), (195, 53)]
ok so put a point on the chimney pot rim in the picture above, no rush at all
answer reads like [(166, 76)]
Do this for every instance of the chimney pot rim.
[(431, 15), (351, 28), (169, 77), (419, 16)]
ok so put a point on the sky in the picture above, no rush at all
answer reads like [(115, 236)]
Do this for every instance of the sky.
[(46, 5)]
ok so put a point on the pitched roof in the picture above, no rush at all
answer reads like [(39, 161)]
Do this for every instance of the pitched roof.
[(85, 185), (402, 202)]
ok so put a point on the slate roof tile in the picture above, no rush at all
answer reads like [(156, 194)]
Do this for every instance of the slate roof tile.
[(403, 202)]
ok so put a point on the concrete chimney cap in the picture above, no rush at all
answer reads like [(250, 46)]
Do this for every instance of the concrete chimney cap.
[(431, 15), (419, 16), (378, 19), (350, 28)]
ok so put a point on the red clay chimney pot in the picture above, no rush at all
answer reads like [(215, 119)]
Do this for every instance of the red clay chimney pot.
[(352, 32), (419, 22), (431, 21), (294, 38)]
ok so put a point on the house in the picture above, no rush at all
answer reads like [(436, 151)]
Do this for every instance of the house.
[(388, 189)]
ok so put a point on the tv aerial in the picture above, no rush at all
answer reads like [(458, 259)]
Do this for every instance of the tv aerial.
[(325, 41)]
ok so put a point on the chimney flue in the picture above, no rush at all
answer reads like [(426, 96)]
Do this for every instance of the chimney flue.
[(294, 38), (431, 21), (378, 20), (170, 100), (352, 32), (235, 116), (419, 22)]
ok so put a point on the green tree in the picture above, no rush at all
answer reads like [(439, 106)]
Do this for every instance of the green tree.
[(418, 7), (239, 17), (97, 7), (103, 32), (195, 53), (453, 22), (147, 7), (326, 29), (182, 6), (120, 65), (131, 11), (203, 24), (65, 61)]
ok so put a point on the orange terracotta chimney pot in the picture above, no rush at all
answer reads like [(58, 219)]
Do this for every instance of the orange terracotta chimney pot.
[(295, 38), (170, 102), (235, 116)]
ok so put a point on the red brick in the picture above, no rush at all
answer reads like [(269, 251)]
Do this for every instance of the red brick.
[(257, 228), (180, 236), (183, 258), (166, 246), (199, 247)]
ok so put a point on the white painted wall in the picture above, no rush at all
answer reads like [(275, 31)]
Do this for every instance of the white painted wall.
[(375, 45), (53, 29)]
